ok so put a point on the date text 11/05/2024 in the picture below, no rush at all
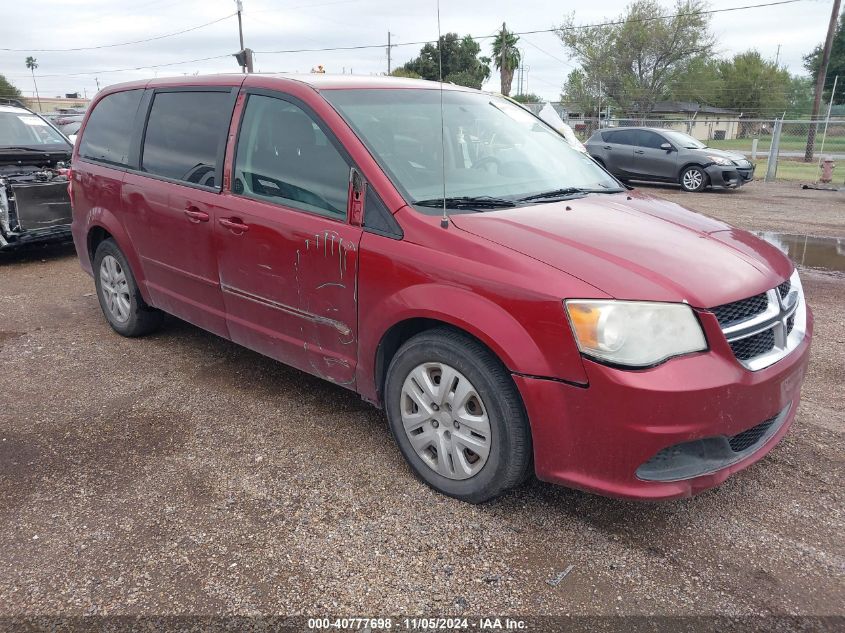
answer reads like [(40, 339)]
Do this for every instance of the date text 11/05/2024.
[(417, 624)]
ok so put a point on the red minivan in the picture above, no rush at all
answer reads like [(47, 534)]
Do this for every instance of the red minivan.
[(447, 255)]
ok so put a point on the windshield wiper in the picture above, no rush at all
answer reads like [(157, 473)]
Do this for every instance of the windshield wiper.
[(565, 192), (467, 202), (30, 149)]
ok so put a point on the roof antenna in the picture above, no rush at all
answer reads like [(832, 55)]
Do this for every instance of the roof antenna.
[(444, 220)]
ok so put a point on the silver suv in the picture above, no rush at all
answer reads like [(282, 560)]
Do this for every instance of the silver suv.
[(640, 153)]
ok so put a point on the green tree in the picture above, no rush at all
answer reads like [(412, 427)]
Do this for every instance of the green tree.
[(753, 86), (7, 90), (701, 83), (527, 98), (32, 64), (404, 72), (836, 65), (583, 94), (639, 58), (506, 57), (461, 62), (799, 97)]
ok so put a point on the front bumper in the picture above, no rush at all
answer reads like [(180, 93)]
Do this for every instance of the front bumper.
[(23, 239), (595, 438), (729, 176)]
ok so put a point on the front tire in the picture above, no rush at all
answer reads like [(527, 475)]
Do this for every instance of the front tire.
[(457, 416), (693, 179), (120, 300)]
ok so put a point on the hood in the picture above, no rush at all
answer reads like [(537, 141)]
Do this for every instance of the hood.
[(711, 151), (633, 246)]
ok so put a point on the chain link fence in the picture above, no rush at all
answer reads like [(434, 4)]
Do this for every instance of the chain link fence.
[(753, 138)]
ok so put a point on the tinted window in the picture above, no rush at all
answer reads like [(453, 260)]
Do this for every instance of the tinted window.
[(622, 137), (186, 133), (109, 128), (284, 157), (649, 139)]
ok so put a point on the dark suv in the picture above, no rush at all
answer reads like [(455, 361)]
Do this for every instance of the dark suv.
[(34, 156), (638, 153)]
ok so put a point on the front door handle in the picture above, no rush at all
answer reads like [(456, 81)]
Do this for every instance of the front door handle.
[(639, 151), (235, 225), (607, 147), (196, 216)]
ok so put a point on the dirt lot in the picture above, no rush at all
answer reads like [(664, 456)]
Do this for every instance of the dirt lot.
[(183, 474)]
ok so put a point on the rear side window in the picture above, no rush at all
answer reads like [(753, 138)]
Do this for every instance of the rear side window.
[(621, 137), (109, 128), (186, 136)]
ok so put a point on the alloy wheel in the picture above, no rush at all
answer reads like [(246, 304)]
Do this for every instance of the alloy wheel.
[(115, 289), (445, 420), (692, 179)]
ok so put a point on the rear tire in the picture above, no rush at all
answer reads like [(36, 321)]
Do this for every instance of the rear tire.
[(467, 437), (693, 179), (120, 300)]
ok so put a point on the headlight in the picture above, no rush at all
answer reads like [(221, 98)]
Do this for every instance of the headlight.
[(634, 333), (719, 160)]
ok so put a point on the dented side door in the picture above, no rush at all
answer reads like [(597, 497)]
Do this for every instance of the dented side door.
[(288, 274)]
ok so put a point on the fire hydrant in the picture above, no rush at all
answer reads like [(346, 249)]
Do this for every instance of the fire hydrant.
[(827, 170)]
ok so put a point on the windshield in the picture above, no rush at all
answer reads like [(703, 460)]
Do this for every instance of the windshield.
[(492, 147), (24, 129), (684, 140)]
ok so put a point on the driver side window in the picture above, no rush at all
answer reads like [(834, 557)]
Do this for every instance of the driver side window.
[(284, 157), (650, 139)]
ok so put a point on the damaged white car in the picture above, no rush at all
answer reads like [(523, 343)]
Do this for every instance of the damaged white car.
[(34, 161)]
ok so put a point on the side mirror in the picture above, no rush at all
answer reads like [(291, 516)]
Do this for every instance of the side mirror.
[(667, 146)]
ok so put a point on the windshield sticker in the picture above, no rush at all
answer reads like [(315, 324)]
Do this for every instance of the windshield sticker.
[(28, 119)]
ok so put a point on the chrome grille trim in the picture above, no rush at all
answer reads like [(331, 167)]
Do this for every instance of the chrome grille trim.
[(785, 315)]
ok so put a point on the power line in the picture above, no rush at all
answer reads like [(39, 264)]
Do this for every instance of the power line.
[(381, 45), (537, 31), (122, 70), (101, 46)]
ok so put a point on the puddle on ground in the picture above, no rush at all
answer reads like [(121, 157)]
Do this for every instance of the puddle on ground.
[(827, 253)]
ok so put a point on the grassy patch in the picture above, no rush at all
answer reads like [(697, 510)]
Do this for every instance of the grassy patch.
[(788, 143), (793, 170)]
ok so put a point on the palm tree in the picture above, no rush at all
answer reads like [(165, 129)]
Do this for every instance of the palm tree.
[(32, 64), (506, 56)]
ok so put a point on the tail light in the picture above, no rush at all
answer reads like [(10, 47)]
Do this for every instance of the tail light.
[(70, 185)]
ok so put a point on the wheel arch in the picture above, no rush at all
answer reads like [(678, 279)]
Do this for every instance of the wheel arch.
[(103, 225), (406, 329), (391, 322), (687, 165)]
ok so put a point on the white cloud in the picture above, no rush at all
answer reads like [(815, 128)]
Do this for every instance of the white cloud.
[(294, 24)]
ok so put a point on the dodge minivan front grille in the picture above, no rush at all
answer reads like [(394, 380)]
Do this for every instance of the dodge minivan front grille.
[(739, 311), (747, 348), (761, 329)]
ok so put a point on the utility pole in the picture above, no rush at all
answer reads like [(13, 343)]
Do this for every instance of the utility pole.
[(827, 119), (777, 56), (502, 57), (240, 6), (389, 46), (817, 100)]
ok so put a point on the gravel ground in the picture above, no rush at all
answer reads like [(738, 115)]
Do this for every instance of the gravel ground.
[(183, 474), (759, 206)]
